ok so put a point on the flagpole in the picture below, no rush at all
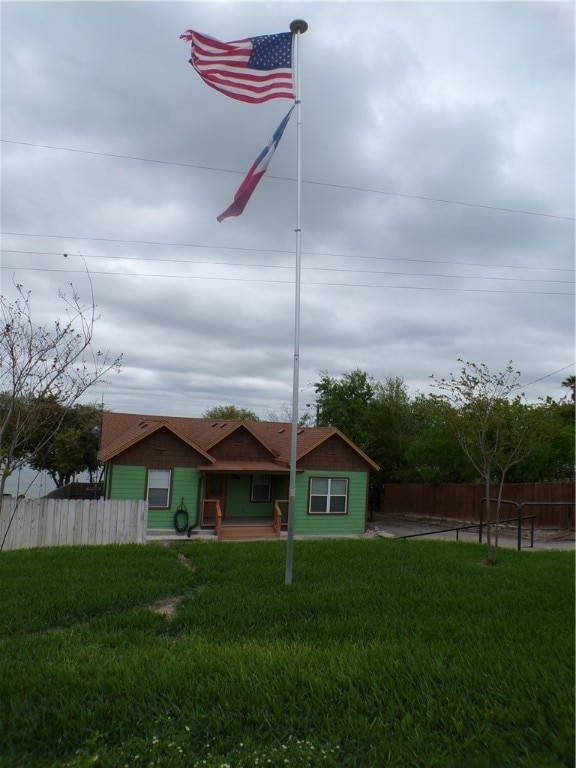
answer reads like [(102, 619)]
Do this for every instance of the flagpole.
[(297, 27)]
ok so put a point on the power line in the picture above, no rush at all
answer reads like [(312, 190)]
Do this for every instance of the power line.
[(280, 251), (548, 375), (288, 266), (444, 201), (287, 282)]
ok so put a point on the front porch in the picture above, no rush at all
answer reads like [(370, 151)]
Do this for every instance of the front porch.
[(235, 528), (243, 501)]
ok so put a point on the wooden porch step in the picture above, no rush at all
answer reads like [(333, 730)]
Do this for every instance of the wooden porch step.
[(231, 532)]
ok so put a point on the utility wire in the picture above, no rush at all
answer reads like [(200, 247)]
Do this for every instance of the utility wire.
[(289, 178), (286, 282), (276, 250), (548, 375), (290, 267)]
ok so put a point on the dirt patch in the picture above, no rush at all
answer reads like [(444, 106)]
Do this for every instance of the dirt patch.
[(167, 608), (184, 560)]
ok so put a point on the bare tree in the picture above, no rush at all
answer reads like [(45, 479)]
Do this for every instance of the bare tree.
[(41, 365), (284, 416)]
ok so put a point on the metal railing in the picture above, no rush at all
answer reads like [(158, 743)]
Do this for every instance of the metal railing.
[(484, 524), (520, 507), (480, 526)]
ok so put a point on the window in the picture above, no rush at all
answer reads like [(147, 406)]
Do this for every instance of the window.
[(261, 488), (159, 487), (328, 496)]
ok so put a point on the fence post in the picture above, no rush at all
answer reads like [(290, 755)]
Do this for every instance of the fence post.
[(519, 506)]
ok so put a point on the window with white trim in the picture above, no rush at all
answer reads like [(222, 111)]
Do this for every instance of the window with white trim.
[(328, 496), (261, 489), (158, 495)]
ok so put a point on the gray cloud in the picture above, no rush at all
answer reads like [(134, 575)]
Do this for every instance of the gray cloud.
[(461, 102)]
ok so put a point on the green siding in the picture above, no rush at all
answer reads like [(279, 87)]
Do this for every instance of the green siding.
[(238, 502), (331, 525), (130, 483), (184, 487), (186, 481)]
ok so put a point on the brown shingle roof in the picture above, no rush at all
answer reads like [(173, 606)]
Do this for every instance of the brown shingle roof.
[(122, 430)]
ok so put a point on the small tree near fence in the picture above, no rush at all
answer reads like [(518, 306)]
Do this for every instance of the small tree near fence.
[(494, 427), (42, 365)]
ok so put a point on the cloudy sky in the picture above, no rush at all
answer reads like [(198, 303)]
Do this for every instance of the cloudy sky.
[(437, 194)]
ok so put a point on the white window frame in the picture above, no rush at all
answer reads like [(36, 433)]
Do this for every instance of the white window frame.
[(261, 481), (328, 496), (154, 476)]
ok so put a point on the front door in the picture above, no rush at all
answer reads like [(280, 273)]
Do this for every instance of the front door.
[(215, 491)]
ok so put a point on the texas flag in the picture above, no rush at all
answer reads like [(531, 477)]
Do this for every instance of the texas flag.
[(255, 173)]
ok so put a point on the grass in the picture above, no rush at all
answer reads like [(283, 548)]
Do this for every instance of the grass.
[(381, 653)]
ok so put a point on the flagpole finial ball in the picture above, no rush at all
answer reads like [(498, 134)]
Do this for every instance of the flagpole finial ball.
[(298, 25)]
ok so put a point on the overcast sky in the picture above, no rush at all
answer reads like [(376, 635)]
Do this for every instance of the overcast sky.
[(437, 195)]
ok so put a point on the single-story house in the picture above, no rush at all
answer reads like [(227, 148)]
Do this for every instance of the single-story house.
[(218, 474)]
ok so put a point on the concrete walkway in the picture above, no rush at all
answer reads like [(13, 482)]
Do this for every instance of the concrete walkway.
[(408, 525)]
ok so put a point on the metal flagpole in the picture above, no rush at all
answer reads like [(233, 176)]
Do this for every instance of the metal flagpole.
[(297, 27)]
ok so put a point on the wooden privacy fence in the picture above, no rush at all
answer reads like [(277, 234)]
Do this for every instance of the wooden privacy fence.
[(58, 522), (461, 501)]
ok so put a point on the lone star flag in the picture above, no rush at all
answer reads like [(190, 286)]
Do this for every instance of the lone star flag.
[(255, 69), (255, 173)]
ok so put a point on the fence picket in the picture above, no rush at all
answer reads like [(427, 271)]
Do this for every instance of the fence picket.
[(72, 512), (108, 530), (59, 522), (34, 525), (85, 538)]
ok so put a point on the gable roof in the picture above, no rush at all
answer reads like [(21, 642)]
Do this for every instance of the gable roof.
[(232, 426), (123, 433), (120, 431)]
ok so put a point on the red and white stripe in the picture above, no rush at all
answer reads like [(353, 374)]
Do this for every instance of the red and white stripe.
[(224, 66)]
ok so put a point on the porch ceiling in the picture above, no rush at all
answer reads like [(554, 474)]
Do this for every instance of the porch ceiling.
[(246, 467)]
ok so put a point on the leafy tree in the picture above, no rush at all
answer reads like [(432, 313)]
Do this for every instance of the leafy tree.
[(73, 448), (414, 440), (433, 454), (232, 412), (345, 403), (553, 458), (494, 432), (376, 415), (41, 365), (391, 422)]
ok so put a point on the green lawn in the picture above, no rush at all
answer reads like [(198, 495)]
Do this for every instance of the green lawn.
[(381, 653)]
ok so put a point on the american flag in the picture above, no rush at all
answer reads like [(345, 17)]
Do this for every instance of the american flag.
[(254, 70)]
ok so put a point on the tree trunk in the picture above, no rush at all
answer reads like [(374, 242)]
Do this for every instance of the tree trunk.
[(489, 558), (3, 479), (499, 504)]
